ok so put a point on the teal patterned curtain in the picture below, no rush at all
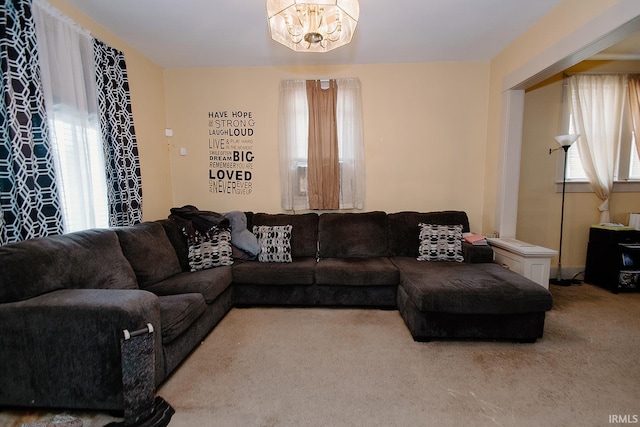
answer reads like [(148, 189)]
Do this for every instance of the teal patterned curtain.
[(29, 200), (124, 187)]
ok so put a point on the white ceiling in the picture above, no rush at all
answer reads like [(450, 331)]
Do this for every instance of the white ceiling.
[(625, 50), (202, 33)]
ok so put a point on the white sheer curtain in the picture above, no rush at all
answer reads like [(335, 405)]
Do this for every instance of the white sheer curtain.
[(350, 144), (294, 130), (595, 104), (634, 108), (68, 78)]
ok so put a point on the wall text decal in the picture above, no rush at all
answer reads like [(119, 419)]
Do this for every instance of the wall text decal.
[(231, 151)]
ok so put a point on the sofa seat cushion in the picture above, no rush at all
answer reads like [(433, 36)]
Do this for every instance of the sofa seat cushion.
[(485, 288), (210, 283), (377, 271), (178, 312), (298, 272)]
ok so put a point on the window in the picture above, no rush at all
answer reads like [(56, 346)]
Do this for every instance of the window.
[(634, 164), (70, 95), (294, 139), (596, 106), (79, 159), (628, 164)]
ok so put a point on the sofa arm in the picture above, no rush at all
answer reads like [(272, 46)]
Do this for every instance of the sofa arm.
[(62, 349), (477, 254)]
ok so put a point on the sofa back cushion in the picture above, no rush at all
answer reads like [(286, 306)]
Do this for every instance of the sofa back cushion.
[(90, 259), (344, 235), (149, 251), (304, 231), (404, 231)]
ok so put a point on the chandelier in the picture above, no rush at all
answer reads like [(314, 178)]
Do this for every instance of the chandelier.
[(312, 25)]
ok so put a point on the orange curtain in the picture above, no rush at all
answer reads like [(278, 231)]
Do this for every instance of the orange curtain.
[(323, 168), (634, 107)]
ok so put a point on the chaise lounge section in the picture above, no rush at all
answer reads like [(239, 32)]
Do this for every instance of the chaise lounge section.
[(475, 299)]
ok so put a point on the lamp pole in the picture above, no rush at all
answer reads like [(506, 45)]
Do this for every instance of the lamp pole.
[(559, 280), (565, 142)]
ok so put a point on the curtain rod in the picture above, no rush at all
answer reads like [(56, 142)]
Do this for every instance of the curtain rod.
[(602, 73)]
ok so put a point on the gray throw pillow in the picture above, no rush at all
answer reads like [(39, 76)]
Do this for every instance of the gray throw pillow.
[(241, 237)]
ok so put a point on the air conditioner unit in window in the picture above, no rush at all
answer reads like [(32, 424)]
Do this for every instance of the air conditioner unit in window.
[(302, 179)]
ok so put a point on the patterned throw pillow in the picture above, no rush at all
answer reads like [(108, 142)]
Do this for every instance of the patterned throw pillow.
[(210, 250), (274, 242), (440, 243)]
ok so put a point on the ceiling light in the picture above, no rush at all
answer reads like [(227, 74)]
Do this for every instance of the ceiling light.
[(312, 25)]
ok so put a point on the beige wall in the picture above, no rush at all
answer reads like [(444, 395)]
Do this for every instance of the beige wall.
[(148, 105), (567, 18), (539, 213), (432, 130), (424, 132), (424, 147), (539, 205)]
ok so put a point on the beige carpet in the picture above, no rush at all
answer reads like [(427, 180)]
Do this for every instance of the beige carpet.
[(345, 367)]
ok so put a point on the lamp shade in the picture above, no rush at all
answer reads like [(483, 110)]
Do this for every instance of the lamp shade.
[(312, 25), (567, 140)]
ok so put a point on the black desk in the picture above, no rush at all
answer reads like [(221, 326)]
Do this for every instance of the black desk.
[(613, 259)]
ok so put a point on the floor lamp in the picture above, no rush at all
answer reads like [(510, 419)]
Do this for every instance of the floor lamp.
[(565, 142)]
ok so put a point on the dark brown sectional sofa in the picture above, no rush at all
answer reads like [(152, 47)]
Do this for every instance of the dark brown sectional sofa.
[(66, 300)]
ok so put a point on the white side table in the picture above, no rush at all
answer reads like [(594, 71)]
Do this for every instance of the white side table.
[(528, 260)]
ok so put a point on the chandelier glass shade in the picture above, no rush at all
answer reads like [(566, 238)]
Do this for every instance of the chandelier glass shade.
[(312, 25)]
